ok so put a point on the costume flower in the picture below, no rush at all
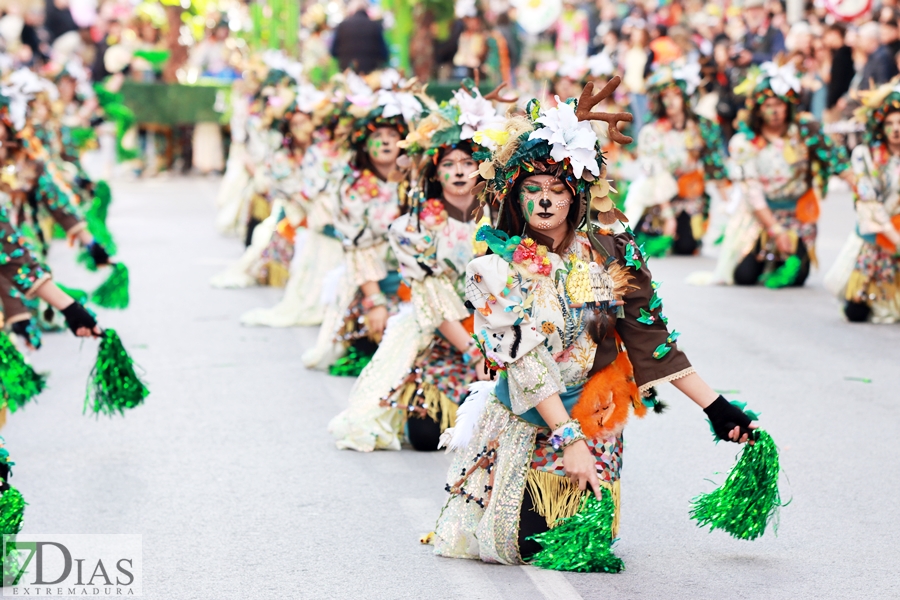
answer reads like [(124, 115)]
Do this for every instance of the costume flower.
[(399, 104), (782, 79), (309, 98), (568, 138), (690, 75), (475, 113)]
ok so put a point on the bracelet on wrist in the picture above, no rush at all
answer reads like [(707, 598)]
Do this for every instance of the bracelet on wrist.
[(472, 355), (566, 434), (373, 300)]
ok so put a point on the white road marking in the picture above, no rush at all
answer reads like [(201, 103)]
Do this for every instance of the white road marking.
[(551, 584)]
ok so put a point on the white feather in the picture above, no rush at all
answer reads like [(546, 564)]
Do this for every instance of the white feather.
[(459, 436)]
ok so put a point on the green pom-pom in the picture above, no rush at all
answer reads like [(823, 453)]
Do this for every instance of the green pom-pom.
[(113, 385), (154, 57), (784, 275), (582, 542), (19, 383), (113, 293), (351, 364), (12, 511), (58, 232), (749, 499), (80, 296), (102, 199)]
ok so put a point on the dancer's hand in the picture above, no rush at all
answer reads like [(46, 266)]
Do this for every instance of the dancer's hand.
[(80, 321), (482, 374), (784, 243), (581, 466), (376, 320), (670, 227), (730, 422)]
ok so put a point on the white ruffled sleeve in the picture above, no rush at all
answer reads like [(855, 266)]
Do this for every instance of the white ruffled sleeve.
[(870, 212), (742, 169), (432, 292), (507, 334), (364, 251)]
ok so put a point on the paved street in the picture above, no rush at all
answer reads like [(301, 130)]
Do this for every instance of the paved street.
[(238, 491)]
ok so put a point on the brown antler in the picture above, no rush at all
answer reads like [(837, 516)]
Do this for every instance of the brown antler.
[(495, 95), (589, 100)]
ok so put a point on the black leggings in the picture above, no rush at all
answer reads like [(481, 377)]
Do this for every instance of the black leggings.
[(857, 312), (749, 270), (530, 523), (684, 244), (424, 432)]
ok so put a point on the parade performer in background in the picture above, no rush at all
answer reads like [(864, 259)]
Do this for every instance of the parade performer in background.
[(272, 179), (558, 302), (781, 162), (318, 250), (866, 275), (367, 204), (679, 152), (427, 358)]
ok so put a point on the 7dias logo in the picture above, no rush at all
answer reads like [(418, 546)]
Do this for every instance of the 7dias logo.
[(71, 565)]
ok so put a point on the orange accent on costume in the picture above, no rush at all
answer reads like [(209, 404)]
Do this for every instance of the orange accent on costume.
[(882, 240), (286, 230), (691, 185), (404, 293), (602, 408), (808, 207), (469, 324)]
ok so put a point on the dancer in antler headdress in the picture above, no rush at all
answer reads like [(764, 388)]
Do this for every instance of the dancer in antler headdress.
[(557, 301)]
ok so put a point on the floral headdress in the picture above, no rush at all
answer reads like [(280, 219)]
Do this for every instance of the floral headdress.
[(686, 78), (877, 104), (445, 126), (393, 104), (558, 141), (19, 90), (770, 80)]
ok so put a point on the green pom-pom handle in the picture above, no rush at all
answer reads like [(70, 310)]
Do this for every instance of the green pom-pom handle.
[(113, 293), (749, 499), (19, 382), (113, 386), (582, 542)]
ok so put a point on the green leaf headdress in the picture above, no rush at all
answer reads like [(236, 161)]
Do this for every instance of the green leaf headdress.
[(877, 104), (558, 141)]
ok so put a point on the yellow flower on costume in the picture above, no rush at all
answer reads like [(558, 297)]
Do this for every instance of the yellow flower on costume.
[(491, 137)]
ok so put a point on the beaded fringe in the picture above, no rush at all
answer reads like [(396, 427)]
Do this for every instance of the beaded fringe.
[(436, 403)]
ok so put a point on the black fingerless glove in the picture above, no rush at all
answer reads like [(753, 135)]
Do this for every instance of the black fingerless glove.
[(725, 416), (98, 253), (77, 317), (28, 331)]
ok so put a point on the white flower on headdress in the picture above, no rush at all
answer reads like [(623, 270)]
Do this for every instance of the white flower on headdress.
[(358, 91), (75, 69), (475, 113), (21, 88), (399, 103), (600, 65), (277, 60), (568, 138), (690, 75), (390, 78), (782, 79), (574, 68), (309, 98)]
